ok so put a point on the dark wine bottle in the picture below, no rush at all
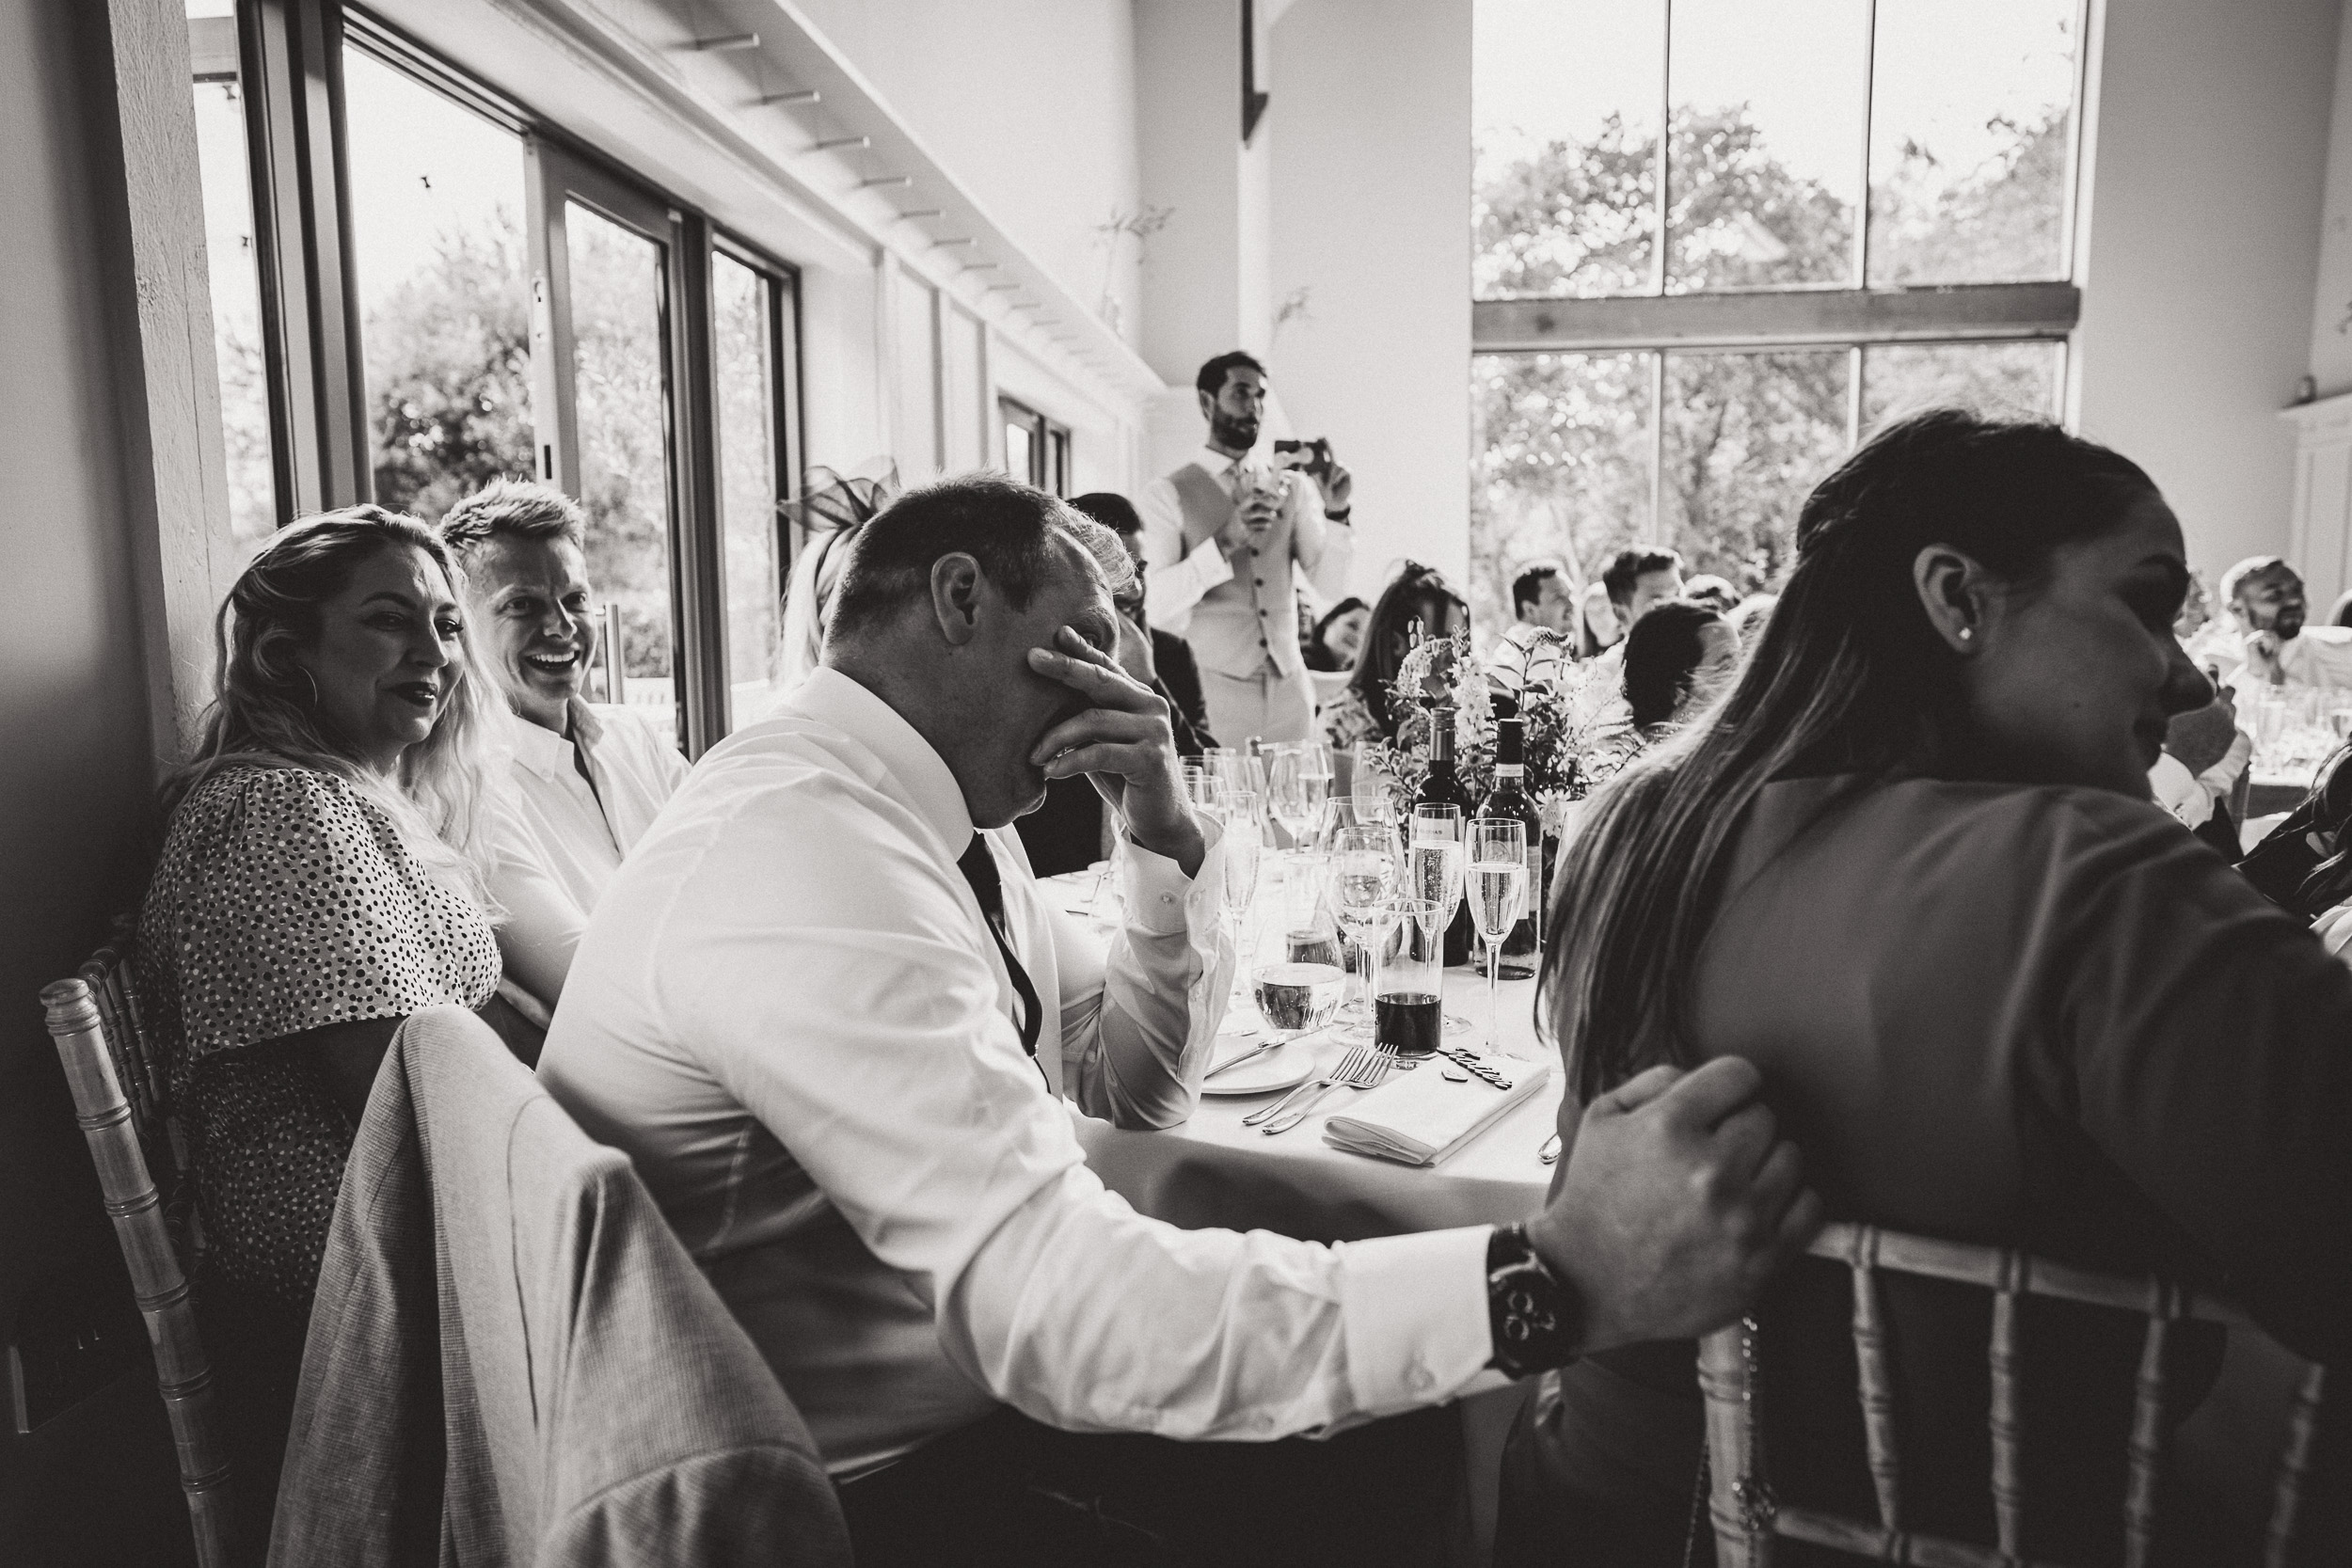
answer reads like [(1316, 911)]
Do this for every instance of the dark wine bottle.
[(1440, 786), (1523, 945)]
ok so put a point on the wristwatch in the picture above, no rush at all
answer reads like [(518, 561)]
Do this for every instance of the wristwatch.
[(1341, 516), (1532, 1314)]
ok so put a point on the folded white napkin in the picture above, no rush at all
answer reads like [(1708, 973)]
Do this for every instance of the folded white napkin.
[(1420, 1117)]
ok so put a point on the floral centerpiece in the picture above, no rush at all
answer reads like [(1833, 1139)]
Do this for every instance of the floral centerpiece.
[(1572, 738)]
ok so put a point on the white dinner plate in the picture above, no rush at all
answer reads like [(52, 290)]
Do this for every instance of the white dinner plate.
[(1286, 1068)]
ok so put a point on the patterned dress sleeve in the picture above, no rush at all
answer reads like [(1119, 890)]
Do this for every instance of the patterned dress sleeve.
[(1347, 722), (286, 901)]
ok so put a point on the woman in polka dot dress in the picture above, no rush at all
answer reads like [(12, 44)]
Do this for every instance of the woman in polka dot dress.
[(314, 889)]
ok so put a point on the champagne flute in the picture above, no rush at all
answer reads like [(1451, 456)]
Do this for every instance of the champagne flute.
[(1498, 890), (1239, 886), (1434, 865), (1290, 793)]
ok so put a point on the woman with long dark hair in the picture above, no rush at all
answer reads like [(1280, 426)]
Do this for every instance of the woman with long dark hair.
[(1361, 712), (1909, 868)]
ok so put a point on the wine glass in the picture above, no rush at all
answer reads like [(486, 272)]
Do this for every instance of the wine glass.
[(1363, 877), (1292, 794), (1434, 867), (1297, 998), (1498, 896), (1369, 790)]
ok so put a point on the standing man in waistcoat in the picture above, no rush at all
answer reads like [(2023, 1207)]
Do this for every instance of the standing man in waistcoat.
[(1220, 535)]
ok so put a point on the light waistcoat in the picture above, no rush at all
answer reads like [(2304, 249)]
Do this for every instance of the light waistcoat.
[(1247, 624)]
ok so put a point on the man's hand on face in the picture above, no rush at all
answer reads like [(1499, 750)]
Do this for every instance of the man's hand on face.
[(1677, 1202), (1122, 743)]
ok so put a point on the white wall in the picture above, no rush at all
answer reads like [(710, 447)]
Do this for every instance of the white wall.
[(2332, 308), (2208, 147), (1030, 102), (1370, 130)]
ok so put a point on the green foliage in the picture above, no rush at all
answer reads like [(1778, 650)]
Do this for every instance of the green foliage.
[(449, 359)]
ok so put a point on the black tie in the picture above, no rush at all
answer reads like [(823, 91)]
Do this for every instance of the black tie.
[(979, 868)]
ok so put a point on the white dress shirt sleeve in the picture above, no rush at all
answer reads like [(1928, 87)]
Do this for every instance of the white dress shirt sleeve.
[(880, 1057), (1139, 1019), (543, 924), (1324, 549), (1177, 579)]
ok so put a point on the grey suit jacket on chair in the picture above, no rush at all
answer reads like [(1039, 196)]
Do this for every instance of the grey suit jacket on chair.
[(512, 1360)]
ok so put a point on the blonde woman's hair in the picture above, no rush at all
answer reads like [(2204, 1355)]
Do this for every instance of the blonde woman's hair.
[(264, 711)]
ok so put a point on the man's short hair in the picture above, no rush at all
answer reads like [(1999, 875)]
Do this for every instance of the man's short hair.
[(2234, 579), (1007, 527), (1212, 377), (1634, 564), (1528, 587), (1112, 510), (511, 508)]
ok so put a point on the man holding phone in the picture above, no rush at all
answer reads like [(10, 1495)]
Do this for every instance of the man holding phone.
[(1221, 536)]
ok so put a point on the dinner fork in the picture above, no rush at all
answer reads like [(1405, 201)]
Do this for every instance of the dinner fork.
[(1362, 1067)]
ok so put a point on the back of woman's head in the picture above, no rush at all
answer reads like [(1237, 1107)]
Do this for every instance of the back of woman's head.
[(1420, 593), (265, 708), (1662, 653), (1848, 677)]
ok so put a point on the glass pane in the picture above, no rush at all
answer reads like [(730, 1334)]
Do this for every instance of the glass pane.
[(1018, 460), (1970, 121), (1764, 163), (236, 279), (622, 396), (1747, 437), (2018, 380), (443, 270), (1561, 468), (742, 357), (1565, 100)]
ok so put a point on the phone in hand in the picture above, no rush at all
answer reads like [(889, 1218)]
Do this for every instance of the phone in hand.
[(1313, 458)]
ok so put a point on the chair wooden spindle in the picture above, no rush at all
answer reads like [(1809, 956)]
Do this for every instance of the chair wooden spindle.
[(2004, 1416), (2140, 1503), (181, 1372), (2295, 1467), (1875, 1381), (1740, 1542)]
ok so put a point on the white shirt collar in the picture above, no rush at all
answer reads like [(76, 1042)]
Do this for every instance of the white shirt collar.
[(920, 772), (546, 752), (1220, 464)]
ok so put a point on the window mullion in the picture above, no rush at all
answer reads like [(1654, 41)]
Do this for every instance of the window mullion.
[(1870, 108)]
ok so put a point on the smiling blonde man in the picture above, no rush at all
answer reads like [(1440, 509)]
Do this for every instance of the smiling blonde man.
[(586, 781)]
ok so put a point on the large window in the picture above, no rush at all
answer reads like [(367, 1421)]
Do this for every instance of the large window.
[(1715, 243), (1036, 448), (474, 299)]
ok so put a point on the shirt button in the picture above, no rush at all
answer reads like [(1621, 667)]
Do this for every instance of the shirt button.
[(1253, 549)]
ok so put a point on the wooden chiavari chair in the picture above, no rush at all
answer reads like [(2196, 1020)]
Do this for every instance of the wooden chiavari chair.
[(118, 1100), (1747, 1518)]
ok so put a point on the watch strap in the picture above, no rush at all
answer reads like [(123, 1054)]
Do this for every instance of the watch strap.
[(1530, 1312)]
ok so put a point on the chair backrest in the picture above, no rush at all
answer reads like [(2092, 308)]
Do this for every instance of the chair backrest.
[(78, 1022), (1747, 1517), (139, 1067)]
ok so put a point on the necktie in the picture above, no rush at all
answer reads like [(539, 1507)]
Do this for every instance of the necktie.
[(979, 868)]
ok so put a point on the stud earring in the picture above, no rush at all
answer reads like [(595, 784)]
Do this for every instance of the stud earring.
[(1966, 632)]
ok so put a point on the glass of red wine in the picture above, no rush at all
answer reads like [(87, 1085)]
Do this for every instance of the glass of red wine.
[(1409, 975)]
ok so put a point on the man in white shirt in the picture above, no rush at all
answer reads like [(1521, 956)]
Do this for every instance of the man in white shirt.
[(585, 783), (1543, 607), (2266, 596), (1221, 534), (829, 1016), (1640, 579)]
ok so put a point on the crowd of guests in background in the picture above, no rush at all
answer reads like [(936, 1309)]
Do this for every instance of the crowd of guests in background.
[(1946, 724)]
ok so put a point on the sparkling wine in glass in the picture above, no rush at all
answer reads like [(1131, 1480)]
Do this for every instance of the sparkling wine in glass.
[(1498, 893), (1363, 879)]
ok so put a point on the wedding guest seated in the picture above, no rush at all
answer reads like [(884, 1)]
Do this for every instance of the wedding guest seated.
[(1598, 628), (1361, 712), (1638, 580), (1072, 830), (1677, 658), (1331, 645), (1712, 593), (2278, 648), (832, 1020), (1911, 872), (584, 781), (1542, 605), (314, 889)]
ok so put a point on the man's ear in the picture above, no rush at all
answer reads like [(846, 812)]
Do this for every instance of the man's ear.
[(955, 592), (1207, 402)]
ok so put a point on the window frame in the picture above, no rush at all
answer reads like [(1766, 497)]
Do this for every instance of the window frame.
[(1049, 445), (291, 64), (1802, 316)]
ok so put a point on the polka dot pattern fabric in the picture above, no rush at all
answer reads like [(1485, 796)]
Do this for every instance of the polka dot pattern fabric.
[(285, 900)]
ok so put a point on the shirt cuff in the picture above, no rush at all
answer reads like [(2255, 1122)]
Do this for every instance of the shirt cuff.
[(1209, 565), (1414, 1311), (1158, 891)]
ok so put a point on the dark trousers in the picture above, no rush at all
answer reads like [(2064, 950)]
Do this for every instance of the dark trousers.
[(1013, 1492)]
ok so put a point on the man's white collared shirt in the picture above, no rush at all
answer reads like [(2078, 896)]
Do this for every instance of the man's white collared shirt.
[(788, 1012), (556, 842)]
